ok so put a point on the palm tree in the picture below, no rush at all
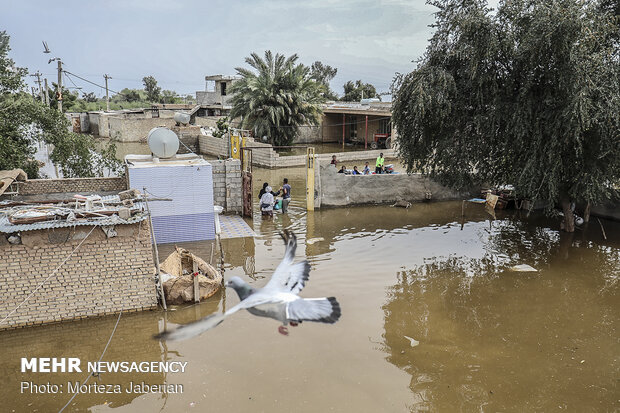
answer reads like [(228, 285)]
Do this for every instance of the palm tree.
[(277, 98)]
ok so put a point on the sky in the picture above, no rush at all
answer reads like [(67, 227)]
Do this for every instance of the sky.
[(180, 42)]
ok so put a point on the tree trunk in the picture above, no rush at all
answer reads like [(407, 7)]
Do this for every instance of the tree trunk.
[(568, 224), (586, 213)]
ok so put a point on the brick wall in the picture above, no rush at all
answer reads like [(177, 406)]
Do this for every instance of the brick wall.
[(45, 186), (227, 185), (104, 276)]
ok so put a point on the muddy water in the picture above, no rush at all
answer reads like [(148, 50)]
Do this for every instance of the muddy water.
[(490, 339)]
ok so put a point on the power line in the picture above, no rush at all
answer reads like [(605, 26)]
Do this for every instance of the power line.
[(92, 373), (92, 83)]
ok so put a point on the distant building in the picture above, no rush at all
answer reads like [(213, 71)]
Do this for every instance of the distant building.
[(215, 100)]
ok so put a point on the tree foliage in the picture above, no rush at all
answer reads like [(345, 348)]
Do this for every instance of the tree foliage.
[(358, 90), (153, 92), (25, 122), (276, 98), (527, 96), (168, 96), (324, 74), (89, 97)]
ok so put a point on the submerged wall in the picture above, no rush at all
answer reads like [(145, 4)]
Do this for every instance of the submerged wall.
[(265, 156), (104, 276), (334, 189)]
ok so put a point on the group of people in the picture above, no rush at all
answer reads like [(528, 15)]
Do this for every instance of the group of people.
[(267, 198), (379, 166)]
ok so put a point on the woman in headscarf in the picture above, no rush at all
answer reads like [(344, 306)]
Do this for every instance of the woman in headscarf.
[(262, 191), (266, 202)]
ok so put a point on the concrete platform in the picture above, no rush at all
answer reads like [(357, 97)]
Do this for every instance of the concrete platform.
[(233, 226)]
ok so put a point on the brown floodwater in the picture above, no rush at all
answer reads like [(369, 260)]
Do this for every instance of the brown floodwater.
[(490, 340)]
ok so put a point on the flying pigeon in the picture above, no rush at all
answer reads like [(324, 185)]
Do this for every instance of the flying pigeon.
[(278, 299)]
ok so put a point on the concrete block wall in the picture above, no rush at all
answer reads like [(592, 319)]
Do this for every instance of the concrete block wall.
[(104, 276), (227, 185), (125, 129), (211, 145), (46, 186), (264, 156), (336, 189)]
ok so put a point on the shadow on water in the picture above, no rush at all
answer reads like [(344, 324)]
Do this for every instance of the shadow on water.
[(496, 340)]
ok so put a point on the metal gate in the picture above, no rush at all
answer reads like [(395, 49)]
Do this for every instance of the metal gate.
[(246, 181)]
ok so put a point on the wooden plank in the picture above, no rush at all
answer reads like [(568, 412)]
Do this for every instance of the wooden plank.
[(196, 285)]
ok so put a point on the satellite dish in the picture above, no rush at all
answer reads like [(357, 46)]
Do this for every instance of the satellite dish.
[(163, 142)]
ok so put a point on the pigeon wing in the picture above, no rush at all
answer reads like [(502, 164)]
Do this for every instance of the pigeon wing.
[(323, 310), (289, 277), (200, 326)]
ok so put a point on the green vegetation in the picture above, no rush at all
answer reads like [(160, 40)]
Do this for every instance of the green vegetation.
[(25, 122), (323, 74), (277, 98), (356, 91), (153, 92), (222, 128), (527, 96)]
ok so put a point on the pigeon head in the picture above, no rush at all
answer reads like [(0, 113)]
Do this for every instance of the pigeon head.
[(242, 288)]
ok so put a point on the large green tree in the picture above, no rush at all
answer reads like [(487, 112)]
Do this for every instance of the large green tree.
[(276, 98), (324, 74), (358, 90), (25, 122), (527, 96), (153, 92)]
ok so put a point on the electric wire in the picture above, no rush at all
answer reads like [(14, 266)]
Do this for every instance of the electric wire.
[(91, 374)]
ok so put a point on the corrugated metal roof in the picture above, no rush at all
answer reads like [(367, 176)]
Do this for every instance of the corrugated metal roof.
[(8, 228)]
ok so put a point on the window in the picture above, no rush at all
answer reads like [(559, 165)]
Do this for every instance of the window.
[(223, 88), (210, 86)]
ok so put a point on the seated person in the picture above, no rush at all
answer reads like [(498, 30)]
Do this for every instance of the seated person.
[(355, 171), (334, 161), (343, 170), (366, 170)]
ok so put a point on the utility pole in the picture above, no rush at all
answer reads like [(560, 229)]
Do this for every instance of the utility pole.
[(59, 84), (59, 91), (107, 96), (47, 94), (38, 76)]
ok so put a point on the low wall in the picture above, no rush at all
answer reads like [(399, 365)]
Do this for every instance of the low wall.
[(227, 185), (210, 145), (46, 186), (104, 276), (334, 189), (126, 129), (264, 156)]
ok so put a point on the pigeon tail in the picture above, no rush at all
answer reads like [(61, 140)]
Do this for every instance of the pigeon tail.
[(322, 310)]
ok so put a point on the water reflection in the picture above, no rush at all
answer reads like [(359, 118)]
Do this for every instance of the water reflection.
[(83, 339), (495, 340)]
